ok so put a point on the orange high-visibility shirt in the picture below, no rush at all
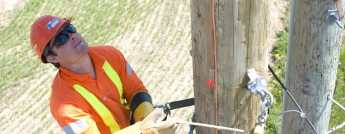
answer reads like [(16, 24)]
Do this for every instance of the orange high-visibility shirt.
[(68, 106)]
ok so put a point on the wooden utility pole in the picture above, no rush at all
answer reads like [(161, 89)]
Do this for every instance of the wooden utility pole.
[(312, 65), (242, 29)]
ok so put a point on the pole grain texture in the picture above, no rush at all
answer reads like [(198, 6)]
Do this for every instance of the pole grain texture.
[(242, 29), (313, 65)]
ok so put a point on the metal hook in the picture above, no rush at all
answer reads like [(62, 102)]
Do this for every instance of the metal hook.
[(332, 15)]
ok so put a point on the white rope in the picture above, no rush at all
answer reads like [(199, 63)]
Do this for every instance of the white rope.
[(336, 128), (211, 126)]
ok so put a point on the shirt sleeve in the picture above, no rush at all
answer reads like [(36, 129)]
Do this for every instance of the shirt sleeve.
[(74, 120), (131, 83)]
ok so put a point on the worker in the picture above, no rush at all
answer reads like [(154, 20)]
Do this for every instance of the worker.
[(95, 90)]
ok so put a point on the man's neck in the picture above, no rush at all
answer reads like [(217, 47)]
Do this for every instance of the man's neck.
[(83, 66)]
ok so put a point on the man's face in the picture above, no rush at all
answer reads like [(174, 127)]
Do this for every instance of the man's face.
[(71, 51)]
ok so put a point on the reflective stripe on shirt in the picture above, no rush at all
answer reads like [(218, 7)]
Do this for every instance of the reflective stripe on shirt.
[(114, 77), (75, 127), (129, 69), (105, 114)]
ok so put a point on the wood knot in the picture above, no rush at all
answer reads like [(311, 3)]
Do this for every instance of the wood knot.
[(307, 87)]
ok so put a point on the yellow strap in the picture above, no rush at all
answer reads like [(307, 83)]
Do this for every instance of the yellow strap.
[(99, 107), (114, 77)]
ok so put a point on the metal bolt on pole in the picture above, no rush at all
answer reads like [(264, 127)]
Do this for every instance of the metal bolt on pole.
[(336, 103)]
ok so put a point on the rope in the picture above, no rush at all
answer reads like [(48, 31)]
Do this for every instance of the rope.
[(212, 126), (336, 128)]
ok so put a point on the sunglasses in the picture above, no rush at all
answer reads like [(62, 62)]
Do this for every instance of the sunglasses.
[(60, 39), (63, 37)]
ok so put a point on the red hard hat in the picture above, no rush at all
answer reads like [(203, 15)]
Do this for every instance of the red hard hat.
[(42, 31)]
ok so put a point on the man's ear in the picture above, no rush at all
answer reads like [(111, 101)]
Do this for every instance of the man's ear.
[(52, 59)]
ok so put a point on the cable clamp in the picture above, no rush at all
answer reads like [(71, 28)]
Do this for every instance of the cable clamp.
[(332, 16), (302, 115), (256, 84)]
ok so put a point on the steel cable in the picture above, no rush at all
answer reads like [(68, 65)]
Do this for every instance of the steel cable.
[(301, 111)]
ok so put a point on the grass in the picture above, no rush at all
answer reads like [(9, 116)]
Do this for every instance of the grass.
[(338, 115)]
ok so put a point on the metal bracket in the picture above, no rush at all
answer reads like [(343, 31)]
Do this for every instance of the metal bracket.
[(257, 86), (332, 16)]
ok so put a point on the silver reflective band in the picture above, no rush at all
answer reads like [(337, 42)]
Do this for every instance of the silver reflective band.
[(75, 127), (129, 69)]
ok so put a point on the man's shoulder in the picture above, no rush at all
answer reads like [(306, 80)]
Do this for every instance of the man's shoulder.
[(110, 49), (108, 52), (62, 91), (63, 95), (61, 80)]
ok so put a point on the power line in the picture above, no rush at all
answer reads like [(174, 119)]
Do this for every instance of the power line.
[(335, 128), (341, 107), (274, 121), (301, 111), (282, 85)]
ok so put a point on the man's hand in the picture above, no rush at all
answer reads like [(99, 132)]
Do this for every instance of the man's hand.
[(151, 125)]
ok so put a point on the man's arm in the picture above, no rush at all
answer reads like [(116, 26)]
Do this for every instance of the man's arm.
[(134, 90), (141, 105), (74, 120)]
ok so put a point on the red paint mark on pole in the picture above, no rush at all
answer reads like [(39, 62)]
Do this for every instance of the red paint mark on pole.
[(210, 83)]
